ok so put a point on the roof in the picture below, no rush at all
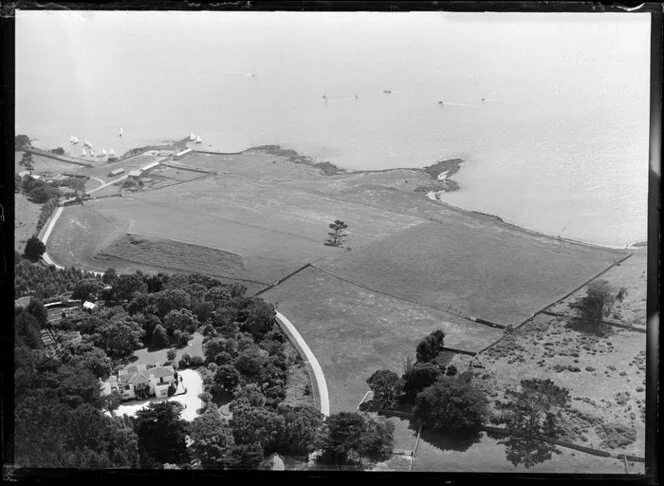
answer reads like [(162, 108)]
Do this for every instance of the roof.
[(89, 305), (135, 173), (140, 374)]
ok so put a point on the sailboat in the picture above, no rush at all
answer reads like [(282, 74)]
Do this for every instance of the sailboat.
[(83, 152), (198, 139), (75, 140), (87, 143), (192, 137), (103, 153), (111, 154), (71, 138), (121, 132)]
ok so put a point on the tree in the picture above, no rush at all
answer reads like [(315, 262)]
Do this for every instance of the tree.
[(248, 396), (37, 310), (159, 337), (21, 141), (227, 378), (338, 234), (28, 330), (126, 285), (598, 301), (34, 249), (534, 408), (110, 276), (212, 441), (260, 318), (185, 361), (419, 377), (430, 346), (349, 436), (58, 151), (171, 354), (182, 320), (119, 336), (386, 385), (450, 405), (162, 433), (87, 289), (257, 425), (170, 299), (302, 426)]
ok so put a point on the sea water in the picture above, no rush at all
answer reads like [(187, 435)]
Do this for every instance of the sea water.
[(559, 144)]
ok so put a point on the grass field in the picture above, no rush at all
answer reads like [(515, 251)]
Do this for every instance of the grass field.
[(353, 332), (26, 216), (500, 276)]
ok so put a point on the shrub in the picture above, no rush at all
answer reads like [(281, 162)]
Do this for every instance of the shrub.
[(196, 361), (34, 249), (451, 405), (171, 354)]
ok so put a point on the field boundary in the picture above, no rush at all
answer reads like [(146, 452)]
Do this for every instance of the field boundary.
[(211, 152), (569, 445), (192, 169), (608, 323), (467, 318), (51, 155), (281, 280)]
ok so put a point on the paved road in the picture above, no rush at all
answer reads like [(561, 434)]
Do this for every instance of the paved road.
[(301, 345)]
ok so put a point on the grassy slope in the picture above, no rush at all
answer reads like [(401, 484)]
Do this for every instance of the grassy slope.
[(353, 332), (26, 216), (500, 276)]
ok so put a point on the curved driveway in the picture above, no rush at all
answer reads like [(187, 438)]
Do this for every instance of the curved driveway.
[(310, 359)]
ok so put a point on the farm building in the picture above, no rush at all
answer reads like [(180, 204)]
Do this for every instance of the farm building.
[(89, 305), (24, 173), (135, 173), (115, 172), (165, 153), (179, 155)]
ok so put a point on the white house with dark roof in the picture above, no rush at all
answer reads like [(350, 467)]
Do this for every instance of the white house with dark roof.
[(155, 380)]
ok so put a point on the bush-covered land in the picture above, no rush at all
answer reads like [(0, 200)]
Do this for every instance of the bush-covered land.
[(60, 419)]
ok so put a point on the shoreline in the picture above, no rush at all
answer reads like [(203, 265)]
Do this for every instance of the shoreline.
[(449, 167)]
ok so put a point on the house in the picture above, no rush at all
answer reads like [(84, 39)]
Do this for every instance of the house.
[(115, 172), (166, 153), (135, 174), (23, 173), (137, 379), (89, 305)]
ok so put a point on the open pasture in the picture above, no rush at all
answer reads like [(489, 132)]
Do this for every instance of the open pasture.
[(45, 166), (353, 332), (500, 276)]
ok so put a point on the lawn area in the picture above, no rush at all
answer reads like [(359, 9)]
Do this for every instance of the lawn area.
[(353, 332), (498, 275), (194, 348)]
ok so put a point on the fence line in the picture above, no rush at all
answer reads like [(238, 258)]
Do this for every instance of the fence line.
[(281, 280), (608, 323)]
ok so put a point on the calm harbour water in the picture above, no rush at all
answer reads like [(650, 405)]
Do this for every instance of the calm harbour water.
[(560, 145)]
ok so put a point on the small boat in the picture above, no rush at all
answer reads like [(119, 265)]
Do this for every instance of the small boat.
[(75, 140), (324, 97), (483, 100), (111, 153), (357, 97), (103, 153), (198, 139), (387, 91), (192, 137), (121, 132), (84, 153), (441, 102)]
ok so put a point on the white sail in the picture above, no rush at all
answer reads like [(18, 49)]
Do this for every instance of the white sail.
[(198, 139), (103, 151), (75, 141), (192, 136), (111, 152), (121, 131), (83, 152)]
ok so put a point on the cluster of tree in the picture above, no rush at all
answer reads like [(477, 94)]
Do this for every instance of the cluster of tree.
[(21, 141), (38, 191), (434, 391), (44, 283), (58, 151), (598, 302), (58, 409), (26, 161)]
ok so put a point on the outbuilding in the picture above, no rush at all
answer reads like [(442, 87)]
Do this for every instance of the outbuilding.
[(115, 172)]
